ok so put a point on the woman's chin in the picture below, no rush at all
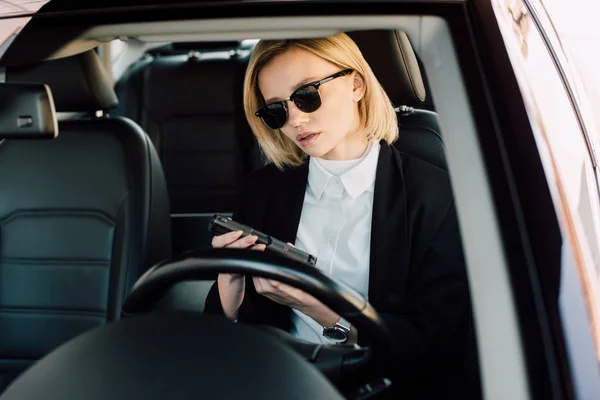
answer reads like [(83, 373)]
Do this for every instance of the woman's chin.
[(316, 151)]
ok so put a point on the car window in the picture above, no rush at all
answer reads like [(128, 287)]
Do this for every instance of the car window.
[(557, 111), (9, 29), (16, 8), (15, 17), (575, 25)]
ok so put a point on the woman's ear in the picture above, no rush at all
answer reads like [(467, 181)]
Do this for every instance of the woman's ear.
[(358, 87)]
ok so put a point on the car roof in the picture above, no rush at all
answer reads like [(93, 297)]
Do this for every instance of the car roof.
[(64, 27), (14, 9)]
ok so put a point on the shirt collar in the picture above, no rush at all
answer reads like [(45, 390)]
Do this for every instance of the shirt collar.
[(356, 180)]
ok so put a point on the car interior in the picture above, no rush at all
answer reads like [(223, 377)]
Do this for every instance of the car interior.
[(95, 213), (136, 172), (203, 175)]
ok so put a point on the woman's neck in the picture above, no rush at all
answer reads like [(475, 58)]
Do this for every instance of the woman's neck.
[(348, 149)]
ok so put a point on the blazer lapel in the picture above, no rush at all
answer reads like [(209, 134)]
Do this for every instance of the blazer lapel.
[(389, 258), (389, 238), (286, 209)]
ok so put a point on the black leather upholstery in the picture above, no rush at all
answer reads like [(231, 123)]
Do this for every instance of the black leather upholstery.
[(27, 111), (191, 108), (393, 60), (395, 64), (420, 137), (81, 218), (78, 83)]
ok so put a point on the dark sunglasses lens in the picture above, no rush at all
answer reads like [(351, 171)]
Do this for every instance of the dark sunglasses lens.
[(274, 115), (307, 99)]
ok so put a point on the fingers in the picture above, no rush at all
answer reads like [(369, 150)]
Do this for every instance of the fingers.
[(225, 239), (259, 247), (265, 286), (243, 242), (279, 292), (275, 284), (232, 240), (258, 285)]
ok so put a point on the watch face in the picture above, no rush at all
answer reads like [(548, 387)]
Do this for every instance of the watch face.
[(335, 334)]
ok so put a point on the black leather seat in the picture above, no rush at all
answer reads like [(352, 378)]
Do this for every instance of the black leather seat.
[(81, 216), (188, 97), (394, 62), (190, 105), (420, 136)]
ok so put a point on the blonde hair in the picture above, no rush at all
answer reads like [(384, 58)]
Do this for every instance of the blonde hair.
[(377, 116)]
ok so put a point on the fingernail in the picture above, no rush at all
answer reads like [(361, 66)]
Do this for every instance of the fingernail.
[(238, 233)]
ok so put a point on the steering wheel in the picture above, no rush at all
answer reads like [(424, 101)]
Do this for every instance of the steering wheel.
[(132, 357), (339, 297)]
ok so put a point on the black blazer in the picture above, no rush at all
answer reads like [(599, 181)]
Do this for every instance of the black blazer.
[(417, 279)]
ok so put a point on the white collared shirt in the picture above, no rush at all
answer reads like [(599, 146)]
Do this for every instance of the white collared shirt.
[(335, 226)]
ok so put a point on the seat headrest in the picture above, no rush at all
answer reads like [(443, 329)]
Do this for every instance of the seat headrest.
[(178, 48), (202, 46), (27, 112), (78, 83), (393, 60)]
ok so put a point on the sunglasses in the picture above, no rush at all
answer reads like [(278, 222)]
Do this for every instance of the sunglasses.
[(306, 98)]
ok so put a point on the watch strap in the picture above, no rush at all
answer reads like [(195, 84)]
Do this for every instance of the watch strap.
[(344, 324)]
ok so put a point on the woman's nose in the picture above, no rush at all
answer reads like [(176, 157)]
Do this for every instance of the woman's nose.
[(296, 117)]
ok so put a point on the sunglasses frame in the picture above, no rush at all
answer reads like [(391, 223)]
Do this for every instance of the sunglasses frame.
[(315, 84)]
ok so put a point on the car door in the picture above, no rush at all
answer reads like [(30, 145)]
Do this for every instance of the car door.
[(564, 129)]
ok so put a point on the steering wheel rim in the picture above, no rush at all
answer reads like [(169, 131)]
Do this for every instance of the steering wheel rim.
[(205, 264)]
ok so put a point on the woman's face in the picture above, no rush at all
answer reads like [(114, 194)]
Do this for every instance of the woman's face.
[(333, 130)]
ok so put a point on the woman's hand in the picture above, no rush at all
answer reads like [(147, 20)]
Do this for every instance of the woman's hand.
[(284, 294), (301, 301), (234, 240), (231, 286), (296, 298)]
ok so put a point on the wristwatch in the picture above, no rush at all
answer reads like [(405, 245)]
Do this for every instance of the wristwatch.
[(339, 332)]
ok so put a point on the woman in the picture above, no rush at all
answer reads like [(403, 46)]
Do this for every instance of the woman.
[(381, 221)]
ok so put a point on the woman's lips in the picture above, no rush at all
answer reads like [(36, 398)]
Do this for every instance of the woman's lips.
[(307, 138)]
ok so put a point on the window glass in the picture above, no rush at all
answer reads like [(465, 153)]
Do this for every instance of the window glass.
[(10, 27), (566, 153), (575, 23)]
